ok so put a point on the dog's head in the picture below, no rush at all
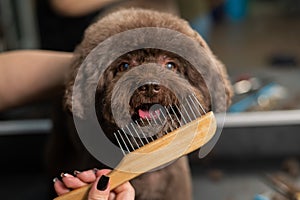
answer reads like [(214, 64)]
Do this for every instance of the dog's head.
[(147, 85), (163, 74)]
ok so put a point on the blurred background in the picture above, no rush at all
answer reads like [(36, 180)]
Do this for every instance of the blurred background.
[(257, 40)]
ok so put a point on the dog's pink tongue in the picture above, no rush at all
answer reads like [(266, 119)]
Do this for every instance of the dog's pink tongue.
[(146, 114)]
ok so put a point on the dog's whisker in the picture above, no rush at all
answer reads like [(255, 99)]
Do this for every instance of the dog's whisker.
[(193, 102), (128, 139), (199, 103), (123, 142), (132, 136), (138, 135), (142, 131)]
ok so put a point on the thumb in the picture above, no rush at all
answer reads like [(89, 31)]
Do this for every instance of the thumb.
[(100, 189)]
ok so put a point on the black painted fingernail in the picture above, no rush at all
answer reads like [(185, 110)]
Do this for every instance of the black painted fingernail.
[(103, 183), (76, 172), (95, 170), (62, 175)]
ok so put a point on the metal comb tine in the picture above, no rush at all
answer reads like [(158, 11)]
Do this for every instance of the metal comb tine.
[(123, 141), (199, 103), (197, 108), (151, 125), (128, 139), (190, 107), (153, 118), (121, 147), (156, 124), (186, 112), (132, 136), (162, 113), (181, 114), (142, 132), (179, 121), (161, 122), (142, 121), (175, 116), (152, 137), (144, 124), (148, 121), (137, 134), (170, 118)]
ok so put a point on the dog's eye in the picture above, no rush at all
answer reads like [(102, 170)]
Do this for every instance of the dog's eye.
[(171, 66), (123, 67)]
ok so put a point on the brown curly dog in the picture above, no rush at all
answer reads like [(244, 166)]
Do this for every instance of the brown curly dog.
[(173, 181)]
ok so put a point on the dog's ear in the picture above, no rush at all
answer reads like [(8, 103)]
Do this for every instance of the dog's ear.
[(226, 81), (221, 86), (68, 96), (80, 83), (80, 86)]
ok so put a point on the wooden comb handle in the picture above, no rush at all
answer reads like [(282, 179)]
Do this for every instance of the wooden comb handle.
[(116, 179), (172, 146)]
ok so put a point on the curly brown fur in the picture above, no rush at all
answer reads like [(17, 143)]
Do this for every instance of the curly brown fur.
[(173, 181)]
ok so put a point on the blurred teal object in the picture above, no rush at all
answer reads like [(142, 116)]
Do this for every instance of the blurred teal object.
[(269, 91), (260, 197), (203, 24), (236, 10)]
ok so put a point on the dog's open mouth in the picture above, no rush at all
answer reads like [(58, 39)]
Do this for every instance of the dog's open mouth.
[(153, 113), (144, 111)]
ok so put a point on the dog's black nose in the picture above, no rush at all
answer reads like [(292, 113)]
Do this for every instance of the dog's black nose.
[(149, 88)]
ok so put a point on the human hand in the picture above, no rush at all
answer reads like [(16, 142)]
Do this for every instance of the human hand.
[(100, 189)]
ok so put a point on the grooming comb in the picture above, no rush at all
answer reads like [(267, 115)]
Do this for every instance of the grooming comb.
[(142, 153)]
